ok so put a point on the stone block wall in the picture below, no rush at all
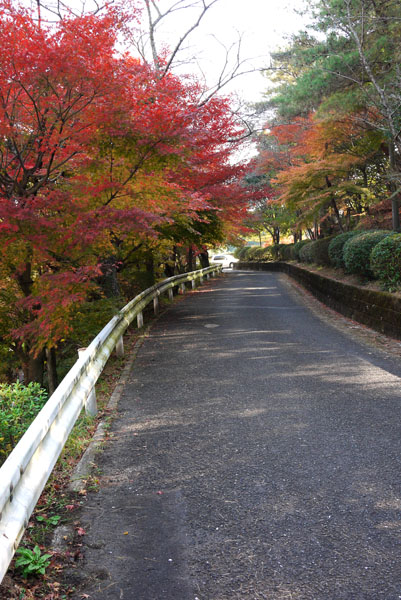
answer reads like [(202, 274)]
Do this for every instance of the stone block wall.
[(379, 310)]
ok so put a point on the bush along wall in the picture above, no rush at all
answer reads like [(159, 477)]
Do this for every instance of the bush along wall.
[(385, 261), (357, 252), (296, 248), (305, 253), (336, 248), (353, 251), (319, 251)]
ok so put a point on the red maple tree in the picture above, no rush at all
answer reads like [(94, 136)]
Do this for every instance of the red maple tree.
[(96, 150)]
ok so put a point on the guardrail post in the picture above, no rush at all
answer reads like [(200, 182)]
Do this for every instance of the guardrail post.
[(120, 347), (90, 403), (156, 305), (170, 294), (182, 288), (193, 284), (139, 320)]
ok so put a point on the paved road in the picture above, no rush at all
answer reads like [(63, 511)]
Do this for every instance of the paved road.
[(256, 456)]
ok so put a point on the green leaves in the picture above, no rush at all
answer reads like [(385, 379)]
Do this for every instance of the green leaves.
[(53, 520), (32, 562), (19, 405), (385, 261), (357, 251)]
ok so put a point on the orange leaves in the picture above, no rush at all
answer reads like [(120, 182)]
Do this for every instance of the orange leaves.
[(317, 165)]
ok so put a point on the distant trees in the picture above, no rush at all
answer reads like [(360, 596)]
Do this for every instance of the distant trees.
[(336, 135)]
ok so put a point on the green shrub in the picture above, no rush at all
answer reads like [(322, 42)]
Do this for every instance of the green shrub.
[(305, 252), (286, 251), (278, 250), (19, 405), (269, 254), (296, 248), (357, 252), (257, 254), (336, 248), (32, 562), (254, 253), (238, 252), (242, 253), (319, 251), (385, 261)]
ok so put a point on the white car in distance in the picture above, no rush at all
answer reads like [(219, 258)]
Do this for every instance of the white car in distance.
[(227, 260)]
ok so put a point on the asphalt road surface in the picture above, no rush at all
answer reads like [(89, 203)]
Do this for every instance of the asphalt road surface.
[(256, 455)]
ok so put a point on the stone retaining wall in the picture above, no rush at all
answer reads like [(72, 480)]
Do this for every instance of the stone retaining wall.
[(379, 310)]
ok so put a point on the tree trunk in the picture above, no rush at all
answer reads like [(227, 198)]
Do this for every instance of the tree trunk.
[(150, 268), (51, 365), (395, 212), (108, 281), (348, 219), (204, 259), (395, 203), (169, 266), (33, 367), (24, 279), (335, 207), (190, 259)]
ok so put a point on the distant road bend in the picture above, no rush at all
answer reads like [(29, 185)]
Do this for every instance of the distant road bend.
[(256, 455)]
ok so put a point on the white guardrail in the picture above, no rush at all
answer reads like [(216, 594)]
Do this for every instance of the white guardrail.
[(27, 469)]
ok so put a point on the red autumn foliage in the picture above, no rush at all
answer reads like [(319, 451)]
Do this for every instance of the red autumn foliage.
[(95, 146)]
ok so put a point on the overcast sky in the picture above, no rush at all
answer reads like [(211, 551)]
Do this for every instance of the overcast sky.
[(264, 25)]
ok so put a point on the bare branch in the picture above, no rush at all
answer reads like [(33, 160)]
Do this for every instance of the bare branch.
[(156, 16), (187, 33)]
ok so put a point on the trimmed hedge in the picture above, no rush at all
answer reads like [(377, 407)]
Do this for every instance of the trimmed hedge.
[(277, 251), (241, 253), (305, 253), (357, 252), (256, 253), (319, 251), (286, 251), (273, 252), (266, 254), (336, 248), (296, 248), (385, 261)]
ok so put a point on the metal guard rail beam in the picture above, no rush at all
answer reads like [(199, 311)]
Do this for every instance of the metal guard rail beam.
[(27, 469)]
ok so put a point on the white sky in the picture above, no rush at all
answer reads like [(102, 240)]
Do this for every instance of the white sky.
[(263, 23)]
